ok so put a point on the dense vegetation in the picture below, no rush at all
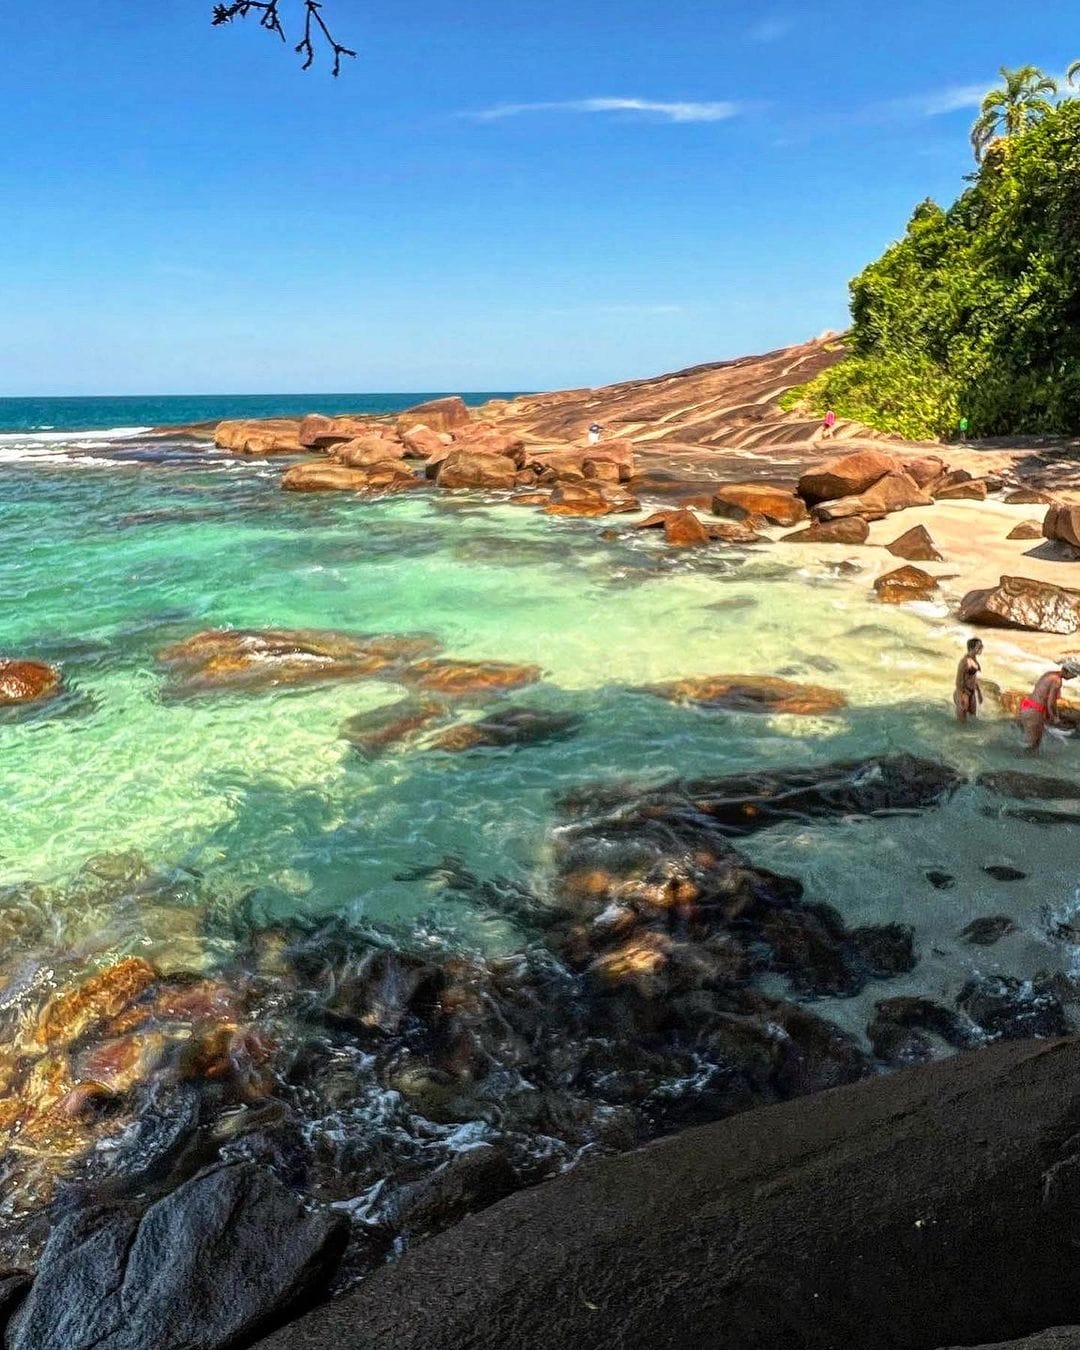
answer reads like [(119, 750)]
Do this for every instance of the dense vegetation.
[(976, 311)]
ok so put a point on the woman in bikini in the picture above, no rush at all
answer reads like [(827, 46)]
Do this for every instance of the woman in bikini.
[(968, 694), (1040, 708)]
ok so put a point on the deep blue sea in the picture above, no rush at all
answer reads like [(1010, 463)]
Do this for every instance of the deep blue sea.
[(158, 410)]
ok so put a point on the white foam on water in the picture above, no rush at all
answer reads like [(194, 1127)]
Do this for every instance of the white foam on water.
[(49, 436)]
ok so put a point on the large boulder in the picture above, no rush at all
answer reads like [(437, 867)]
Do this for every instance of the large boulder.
[(862, 1217), (895, 492), (906, 583), (421, 442), (682, 529), (366, 451), (482, 440), (385, 476), (589, 498), (466, 469), (1062, 524), (268, 436), (440, 414), (1020, 602), (27, 681), (319, 433), (972, 491), (848, 476), (924, 469), (915, 545), (1027, 529), (847, 530), (739, 501), (843, 507), (228, 1256)]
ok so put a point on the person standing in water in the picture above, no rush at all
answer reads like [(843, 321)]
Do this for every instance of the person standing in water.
[(968, 693), (1040, 709)]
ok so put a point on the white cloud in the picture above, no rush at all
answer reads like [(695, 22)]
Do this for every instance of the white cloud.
[(668, 112), (771, 29), (953, 99)]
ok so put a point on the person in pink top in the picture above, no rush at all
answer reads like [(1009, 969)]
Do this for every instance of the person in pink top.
[(828, 425)]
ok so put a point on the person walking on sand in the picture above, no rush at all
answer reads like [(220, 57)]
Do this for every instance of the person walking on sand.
[(968, 692), (1040, 709), (828, 425), (595, 432)]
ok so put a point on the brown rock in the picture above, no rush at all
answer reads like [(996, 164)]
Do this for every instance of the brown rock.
[(1028, 497), (682, 529), (529, 499), (751, 693), (848, 476), (851, 530), (440, 414), (618, 452), (735, 531), (260, 658), (1019, 602), (557, 465), (843, 507), (332, 477), (421, 442), (1027, 529), (925, 470), (949, 479), (915, 545), (68, 1016), (382, 728), (319, 433), (1062, 524), (366, 451), (481, 440), (589, 499), (738, 501), (269, 436), (465, 469), (27, 681), (604, 470), (461, 679), (906, 583), (895, 492), (973, 491)]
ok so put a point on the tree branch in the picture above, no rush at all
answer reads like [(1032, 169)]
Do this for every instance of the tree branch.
[(268, 11)]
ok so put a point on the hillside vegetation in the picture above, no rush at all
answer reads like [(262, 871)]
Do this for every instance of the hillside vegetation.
[(976, 311)]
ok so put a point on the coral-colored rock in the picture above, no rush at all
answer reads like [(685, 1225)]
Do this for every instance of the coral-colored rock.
[(461, 679), (739, 501), (330, 477), (589, 499), (367, 451), (906, 583), (27, 681), (482, 440), (847, 476), (1062, 524), (751, 693), (925, 469), (849, 530), (895, 492), (319, 433), (974, 490), (421, 442), (466, 469), (1020, 602), (844, 507), (440, 414), (915, 545), (1027, 529), (104, 995), (682, 529), (269, 436)]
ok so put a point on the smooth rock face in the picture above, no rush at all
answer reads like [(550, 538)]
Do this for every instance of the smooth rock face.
[(682, 529), (1062, 523), (366, 451), (751, 693), (330, 477), (465, 469), (1028, 497), (973, 491), (915, 545), (1027, 529), (27, 682), (226, 1256), (421, 442), (737, 501), (439, 414), (462, 679), (895, 492), (319, 433), (925, 469), (847, 476), (843, 507), (703, 1239), (271, 436), (906, 583), (1019, 602), (849, 530), (589, 499)]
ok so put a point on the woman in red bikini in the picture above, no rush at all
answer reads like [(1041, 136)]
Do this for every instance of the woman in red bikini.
[(1040, 708)]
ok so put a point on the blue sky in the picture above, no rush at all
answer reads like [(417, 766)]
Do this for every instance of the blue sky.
[(523, 194)]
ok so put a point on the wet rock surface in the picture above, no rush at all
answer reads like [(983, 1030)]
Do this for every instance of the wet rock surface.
[(27, 682), (750, 694), (848, 530), (904, 584)]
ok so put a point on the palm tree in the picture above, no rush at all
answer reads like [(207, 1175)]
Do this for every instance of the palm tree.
[(1010, 110), (1072, 72)]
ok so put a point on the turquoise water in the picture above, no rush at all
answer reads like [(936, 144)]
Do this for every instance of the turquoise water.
[(258, 796)]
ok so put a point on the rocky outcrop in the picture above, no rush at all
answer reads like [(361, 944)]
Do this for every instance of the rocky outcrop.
[(753, 501), (195, 1272), (973, 491), (384, 476), (27, 681), (1062, 524), (366, 452), (422, 443), (270, 436), (1020, 602), (682, 529), (904, 584), (440, 414), (509, 728), (848, 476), (465, 469), (750, 693), (847, 530), (915, 545), (589, 499), (895, 492), (320, 433), (236, 658), (960, 1246)]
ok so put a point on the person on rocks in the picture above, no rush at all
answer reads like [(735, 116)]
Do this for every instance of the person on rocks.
[(1040, 709), (828, 425), (595, 432), (968, 694)]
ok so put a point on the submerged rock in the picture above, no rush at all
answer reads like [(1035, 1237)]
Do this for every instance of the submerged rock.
[(463, 679), (1020, 602), (507, 728), (27, 681), (240, 658), (1010, 1009), (1001, 872), (985, 931), (381, 729), (1015, 783), (905, 584), (226, 1257), (751, 693), (589, 499)]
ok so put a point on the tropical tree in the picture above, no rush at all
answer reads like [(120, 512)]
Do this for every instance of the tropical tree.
[(1021, 103), (1073, 72)]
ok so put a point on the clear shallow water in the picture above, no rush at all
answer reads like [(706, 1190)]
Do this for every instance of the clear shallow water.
[(105, 564)]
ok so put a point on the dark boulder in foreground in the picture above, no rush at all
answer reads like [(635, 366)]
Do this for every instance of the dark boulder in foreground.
[(218, 1261), (934, 1207), (1020, 602)]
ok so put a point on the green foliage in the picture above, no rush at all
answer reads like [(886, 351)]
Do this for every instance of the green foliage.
[(976, 311), (1020, 103)]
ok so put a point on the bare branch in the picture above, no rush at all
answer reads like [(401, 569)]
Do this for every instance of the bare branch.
[(315, 27)]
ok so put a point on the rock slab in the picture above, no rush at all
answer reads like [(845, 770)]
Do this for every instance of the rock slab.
[(1020, 602)]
